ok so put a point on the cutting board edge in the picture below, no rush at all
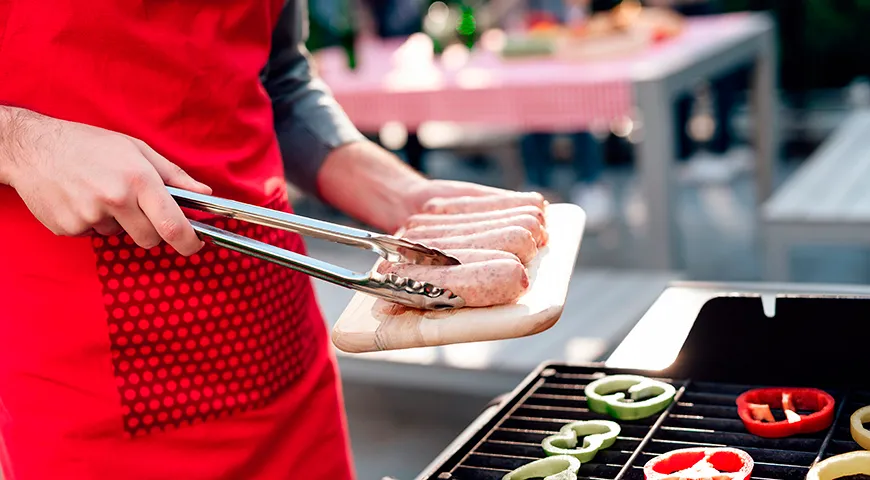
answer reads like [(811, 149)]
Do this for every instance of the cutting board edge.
[(360, 342), (344, 341)]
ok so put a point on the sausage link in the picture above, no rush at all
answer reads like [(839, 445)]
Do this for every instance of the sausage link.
[(516, 240), (466, 255), (482, 284), (484, 204), (426, 219), (526, 221)]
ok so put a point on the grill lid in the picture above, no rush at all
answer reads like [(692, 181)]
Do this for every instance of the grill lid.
[(809, 341)]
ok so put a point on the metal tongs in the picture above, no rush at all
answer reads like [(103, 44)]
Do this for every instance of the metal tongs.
[(390, 287)]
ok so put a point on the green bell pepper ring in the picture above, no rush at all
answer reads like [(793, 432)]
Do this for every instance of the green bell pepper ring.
[(605, 396), (598, 435), (562, 467)]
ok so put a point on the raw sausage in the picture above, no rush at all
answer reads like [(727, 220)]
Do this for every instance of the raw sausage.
[(484, 204), (482, 284), (426, 219), (467, 255), (526, 221), (516, 240)]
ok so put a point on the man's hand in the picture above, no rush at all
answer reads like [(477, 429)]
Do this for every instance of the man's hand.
[(430, 189), (77, 179), (372, 185)]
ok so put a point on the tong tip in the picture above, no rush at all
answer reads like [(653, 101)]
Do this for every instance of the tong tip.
[(434, 297), (420, 254)]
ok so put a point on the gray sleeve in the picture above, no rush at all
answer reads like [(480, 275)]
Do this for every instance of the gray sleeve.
[(308, 121)]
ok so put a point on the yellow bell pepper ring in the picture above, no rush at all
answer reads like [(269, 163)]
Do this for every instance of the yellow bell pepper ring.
[(845, 466), (860, 433)]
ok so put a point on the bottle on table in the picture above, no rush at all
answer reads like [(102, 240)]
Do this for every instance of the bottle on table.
[(333, 23), (348, 32), (466, 27)]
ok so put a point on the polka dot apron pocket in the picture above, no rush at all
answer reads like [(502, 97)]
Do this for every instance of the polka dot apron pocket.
[(200, 337)]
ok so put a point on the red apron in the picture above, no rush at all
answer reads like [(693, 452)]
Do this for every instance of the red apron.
[(117, 362)]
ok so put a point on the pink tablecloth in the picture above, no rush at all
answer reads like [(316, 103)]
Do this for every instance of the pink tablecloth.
[(533, 94)]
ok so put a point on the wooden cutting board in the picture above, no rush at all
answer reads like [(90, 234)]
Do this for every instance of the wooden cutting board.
[(369, 324)]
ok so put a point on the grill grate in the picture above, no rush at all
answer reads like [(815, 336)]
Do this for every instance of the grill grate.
[(704, 414)]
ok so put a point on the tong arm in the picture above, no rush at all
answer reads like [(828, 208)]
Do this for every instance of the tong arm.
[(390, 287), (390, 248)]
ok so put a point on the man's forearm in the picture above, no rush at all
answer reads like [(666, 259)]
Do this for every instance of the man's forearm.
[(370, 184), (13, 122)]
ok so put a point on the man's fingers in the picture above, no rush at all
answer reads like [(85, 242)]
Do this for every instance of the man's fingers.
[(171, 173), (465, 189), (169, 221), (139, 227), (108, 227)]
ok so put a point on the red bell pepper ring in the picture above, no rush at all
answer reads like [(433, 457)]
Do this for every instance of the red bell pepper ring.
[(714, 463), (753, 407)]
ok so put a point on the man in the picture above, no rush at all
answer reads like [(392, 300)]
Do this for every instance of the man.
[(127, 348)]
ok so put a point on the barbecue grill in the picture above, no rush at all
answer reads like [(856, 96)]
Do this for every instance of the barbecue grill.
[(733, 346)]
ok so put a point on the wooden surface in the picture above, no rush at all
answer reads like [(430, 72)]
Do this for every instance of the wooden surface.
[(369, 324)]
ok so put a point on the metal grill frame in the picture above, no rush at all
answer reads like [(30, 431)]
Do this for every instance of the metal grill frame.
[(726, 321), (835, 440)]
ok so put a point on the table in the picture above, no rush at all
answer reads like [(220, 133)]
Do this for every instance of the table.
[(826, 202), (401, 82), (656, 339)]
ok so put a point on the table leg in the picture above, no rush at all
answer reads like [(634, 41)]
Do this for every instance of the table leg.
[(764, 98), (655, 158)]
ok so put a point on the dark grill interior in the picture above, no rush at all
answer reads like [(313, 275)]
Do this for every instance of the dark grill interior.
[(704, 414)]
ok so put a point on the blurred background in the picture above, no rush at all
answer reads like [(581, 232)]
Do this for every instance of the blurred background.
[(713, 140)]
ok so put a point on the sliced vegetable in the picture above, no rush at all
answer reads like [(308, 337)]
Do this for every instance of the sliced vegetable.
[(791, 415), (852, 465), (597, 435), (755, 419), (646, 397), (700, 463), (562, 467), (860, 433), (761, 412)]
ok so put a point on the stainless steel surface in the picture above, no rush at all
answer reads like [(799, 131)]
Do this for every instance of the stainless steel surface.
[(393, 288), (390, 248)]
